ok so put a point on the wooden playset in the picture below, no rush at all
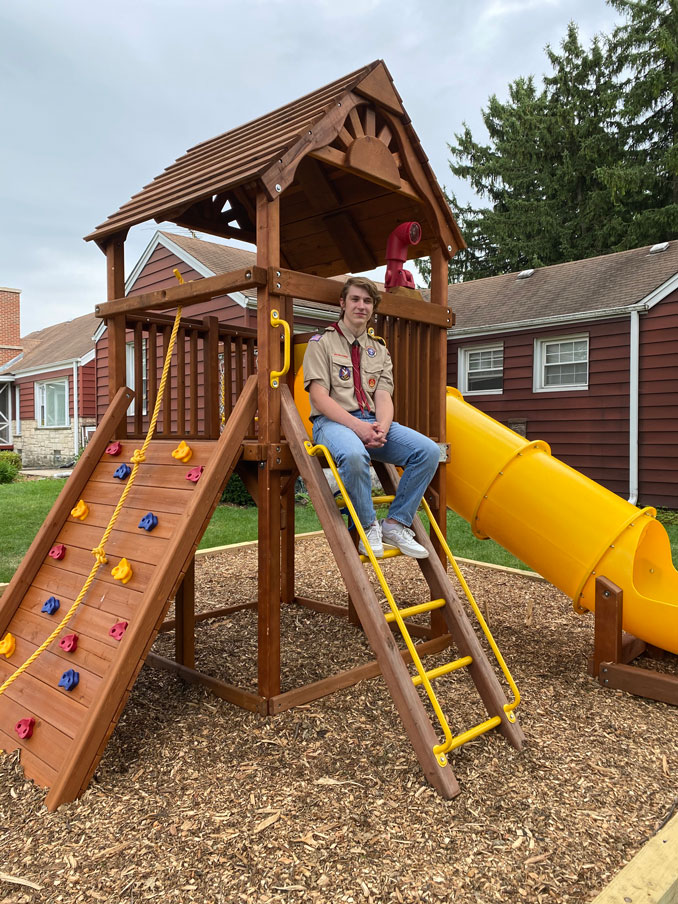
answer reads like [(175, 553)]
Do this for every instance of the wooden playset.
[(318, 186)]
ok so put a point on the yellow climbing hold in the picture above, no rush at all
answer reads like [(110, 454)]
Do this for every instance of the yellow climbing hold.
[(122, 571), (183, 452), (7, 645), (81, 511)]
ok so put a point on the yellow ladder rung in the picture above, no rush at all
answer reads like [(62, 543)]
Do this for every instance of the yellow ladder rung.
[(472, 733), (444, 670), (415, 610), (388, 554), (376, 500)]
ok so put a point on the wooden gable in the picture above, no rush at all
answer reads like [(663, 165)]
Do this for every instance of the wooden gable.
[(345, 163)]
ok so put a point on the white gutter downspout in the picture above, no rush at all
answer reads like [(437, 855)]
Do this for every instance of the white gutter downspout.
[(76, 402), (634, 368)]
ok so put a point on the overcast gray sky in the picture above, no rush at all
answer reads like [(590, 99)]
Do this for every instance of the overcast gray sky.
[(96, 99)]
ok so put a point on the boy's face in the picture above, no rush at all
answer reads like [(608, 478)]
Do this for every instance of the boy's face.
[(358, 307)]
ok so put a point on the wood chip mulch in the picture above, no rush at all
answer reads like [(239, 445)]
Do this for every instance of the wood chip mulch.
[(198, 801)]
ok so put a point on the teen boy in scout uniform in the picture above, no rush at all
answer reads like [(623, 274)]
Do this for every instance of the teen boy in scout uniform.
[(349, 377)]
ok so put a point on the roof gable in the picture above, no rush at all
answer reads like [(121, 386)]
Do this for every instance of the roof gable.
[(345, 162), (598, 284), (58, 344)]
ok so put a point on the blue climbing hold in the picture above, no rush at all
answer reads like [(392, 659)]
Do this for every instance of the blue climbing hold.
[(69, 679), (51, 605), (148, 522), (123, 472)]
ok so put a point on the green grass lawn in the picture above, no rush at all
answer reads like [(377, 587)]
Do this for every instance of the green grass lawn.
[(24, 506)]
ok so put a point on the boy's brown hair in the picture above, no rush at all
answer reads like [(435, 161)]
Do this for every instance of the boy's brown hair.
[(362, 282)]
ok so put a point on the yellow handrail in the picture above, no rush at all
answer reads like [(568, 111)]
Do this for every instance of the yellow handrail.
[(508, 707), (276, 320), (439, 749)]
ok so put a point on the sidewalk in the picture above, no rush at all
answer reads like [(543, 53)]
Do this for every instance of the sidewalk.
[(46, 472)]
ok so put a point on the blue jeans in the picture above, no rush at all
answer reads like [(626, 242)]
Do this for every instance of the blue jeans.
[(415, 453)]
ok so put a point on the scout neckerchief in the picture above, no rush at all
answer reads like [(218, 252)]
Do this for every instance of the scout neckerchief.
[(361, 397)]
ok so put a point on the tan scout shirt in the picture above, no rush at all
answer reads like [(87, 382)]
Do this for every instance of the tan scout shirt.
[(328, 360)]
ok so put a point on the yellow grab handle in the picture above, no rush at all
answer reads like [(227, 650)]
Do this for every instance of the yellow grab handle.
[(287, 344)]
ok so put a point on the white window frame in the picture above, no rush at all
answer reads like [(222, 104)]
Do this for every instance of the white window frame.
[(540, 346), (463, 357), (40, 390), (130, 375), (17, 411)]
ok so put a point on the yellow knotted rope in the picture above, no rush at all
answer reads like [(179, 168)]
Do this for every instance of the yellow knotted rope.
[(98, 552)]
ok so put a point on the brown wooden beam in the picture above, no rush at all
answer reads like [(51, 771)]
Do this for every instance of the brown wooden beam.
[(326, 291), (222, 612), (640, 682), (348, 678), (236, 695), (184, 607), (187, 294)]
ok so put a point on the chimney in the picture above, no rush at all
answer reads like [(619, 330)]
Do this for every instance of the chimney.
[(10, 328)]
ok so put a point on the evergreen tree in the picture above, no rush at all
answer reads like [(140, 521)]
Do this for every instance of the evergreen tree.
[(540, 171), (645, 50)]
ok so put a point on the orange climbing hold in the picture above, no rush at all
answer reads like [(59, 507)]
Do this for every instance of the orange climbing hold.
[(183, 452), (122, 571), (81, 511), (7, 645)]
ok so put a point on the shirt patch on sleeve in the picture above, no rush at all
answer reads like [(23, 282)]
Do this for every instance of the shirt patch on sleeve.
[(315, 338)]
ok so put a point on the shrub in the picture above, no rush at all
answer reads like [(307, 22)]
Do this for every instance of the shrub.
[(13, 457), (8, 471), (236, 492)]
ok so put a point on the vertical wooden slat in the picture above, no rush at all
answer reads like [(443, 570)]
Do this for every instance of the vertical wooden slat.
[(152, 367), (138, 378), (228, 376), (268, 342), (193, 398), (181, 381), (211, 376), (167, 394), (238, 358)]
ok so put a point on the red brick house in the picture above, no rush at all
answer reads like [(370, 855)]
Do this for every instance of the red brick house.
[(47, 401), (583, 355)]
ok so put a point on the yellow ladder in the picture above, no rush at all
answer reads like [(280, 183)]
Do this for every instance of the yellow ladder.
[(424, 677)]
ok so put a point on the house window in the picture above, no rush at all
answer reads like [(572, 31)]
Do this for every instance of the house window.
[(17, 411), (561, 363), (51, 403), (481, 369), (130, 375)]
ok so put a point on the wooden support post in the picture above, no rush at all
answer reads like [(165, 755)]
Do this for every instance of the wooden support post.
[(437, 380), (607, 632), (116, 327), (352, 613), (268, 342), (184, 628)]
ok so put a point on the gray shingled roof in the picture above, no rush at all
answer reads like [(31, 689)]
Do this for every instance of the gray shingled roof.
[(55, 344), (594, 284)]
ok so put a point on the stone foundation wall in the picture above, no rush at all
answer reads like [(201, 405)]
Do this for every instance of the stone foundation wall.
[(50, 447)]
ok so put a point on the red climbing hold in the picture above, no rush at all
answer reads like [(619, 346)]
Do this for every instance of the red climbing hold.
[(58, 551), (24, 727), (114, 449), (69, 643), (118, 630), (195, 473)]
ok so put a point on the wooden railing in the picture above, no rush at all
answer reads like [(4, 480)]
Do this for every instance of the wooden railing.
[(210, 365)]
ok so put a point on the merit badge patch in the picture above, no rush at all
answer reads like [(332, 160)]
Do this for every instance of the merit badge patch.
[(344, 373), (315, 338), (371, 382), (371, 351)]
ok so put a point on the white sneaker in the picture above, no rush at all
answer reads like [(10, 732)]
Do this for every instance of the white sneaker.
[(402, 537), (373, 533)]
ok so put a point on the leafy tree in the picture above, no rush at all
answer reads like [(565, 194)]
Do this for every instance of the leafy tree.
[(645, 53)]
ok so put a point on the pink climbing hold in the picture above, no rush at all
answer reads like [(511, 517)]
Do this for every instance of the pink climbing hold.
[(195, 473), (58, 551), (24, 727), (114, 448), (69, 643), (118, 630)]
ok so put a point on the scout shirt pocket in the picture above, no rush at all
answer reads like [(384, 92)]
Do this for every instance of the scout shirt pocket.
[(371, 372), (342, 381)]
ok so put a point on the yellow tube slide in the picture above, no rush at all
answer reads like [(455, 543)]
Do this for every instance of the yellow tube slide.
[(559, 522)]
